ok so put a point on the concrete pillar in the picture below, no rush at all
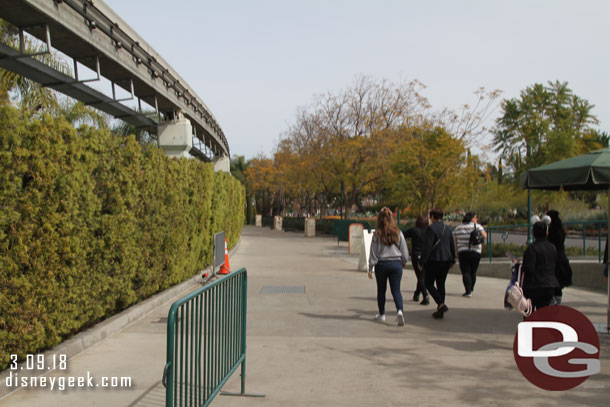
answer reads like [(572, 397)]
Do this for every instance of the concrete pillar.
[(277, 223), (310, 227), (222, 163), (176, 137)]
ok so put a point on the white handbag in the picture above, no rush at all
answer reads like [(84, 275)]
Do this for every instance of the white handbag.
[(517, 299)]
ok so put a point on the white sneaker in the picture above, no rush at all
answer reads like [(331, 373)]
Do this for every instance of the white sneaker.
[(400, 318), (380, 317)]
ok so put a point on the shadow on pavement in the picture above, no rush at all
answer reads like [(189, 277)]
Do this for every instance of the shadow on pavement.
[(153, 397)]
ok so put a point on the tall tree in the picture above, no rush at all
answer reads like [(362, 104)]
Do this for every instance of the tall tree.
[(468, 122), (336, 153), (261, 177), (239, 165), (550, 116), (430, 168), (347, 135)]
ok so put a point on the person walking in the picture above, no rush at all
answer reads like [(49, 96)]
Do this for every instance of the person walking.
[(469, 237), (563, 270), (538, 268), (418, 241), (438, 258), (389, 254)]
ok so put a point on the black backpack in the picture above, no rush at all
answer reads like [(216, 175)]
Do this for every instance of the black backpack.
[(476, 237)]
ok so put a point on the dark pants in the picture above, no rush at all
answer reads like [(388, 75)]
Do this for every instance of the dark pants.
[(541, 297), (419, 274), (384, 271), (436, 273), (557, 296), (469, 263)]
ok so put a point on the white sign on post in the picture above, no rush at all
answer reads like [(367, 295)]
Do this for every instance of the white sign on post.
[(259, 221), (365, 250), (355, 238)]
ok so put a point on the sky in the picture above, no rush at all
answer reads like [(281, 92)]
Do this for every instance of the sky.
[(255, 63)]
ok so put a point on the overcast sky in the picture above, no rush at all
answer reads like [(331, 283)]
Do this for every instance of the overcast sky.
[(255, 62)]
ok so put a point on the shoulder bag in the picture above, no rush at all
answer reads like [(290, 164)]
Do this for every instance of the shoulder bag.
[(516, 298)]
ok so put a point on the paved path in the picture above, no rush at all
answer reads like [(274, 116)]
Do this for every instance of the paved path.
[(322, 348)]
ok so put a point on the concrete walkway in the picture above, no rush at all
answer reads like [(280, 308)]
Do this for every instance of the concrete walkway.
[(322, 348)]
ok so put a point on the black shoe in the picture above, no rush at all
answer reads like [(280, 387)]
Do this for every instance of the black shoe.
[(425, 301), (416, 297), (437, 315), (443, 308), (467, 294)]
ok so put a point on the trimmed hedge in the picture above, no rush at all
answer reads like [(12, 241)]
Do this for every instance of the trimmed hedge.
[(91, 223)]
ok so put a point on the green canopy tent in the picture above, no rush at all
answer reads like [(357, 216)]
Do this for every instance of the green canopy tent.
[(588, 172)]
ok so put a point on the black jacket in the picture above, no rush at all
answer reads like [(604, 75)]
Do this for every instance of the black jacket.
[(445, 249), (418, 239), (539, 262), (563, 270)]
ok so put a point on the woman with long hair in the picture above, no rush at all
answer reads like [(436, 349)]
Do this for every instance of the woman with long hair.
[(418, 242), (388, 256)]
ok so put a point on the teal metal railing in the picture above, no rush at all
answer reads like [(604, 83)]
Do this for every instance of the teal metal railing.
[(206, 341), (593, 228), (268, 221), (294, 224)]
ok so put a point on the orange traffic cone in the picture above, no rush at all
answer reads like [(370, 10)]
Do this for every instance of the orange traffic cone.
[(225, 269)]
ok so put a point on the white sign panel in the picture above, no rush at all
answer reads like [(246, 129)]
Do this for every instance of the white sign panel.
[(365, 251), (259, 221), (355, 238)]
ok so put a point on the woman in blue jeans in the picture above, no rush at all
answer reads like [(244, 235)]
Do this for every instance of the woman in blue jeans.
[(388, 256)]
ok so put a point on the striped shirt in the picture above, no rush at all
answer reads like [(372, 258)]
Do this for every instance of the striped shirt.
[(462, 235)]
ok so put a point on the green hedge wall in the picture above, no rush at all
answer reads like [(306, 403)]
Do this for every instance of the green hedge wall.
[(91, 223)]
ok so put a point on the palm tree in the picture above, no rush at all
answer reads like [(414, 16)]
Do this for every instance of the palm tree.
[(77, 113), (239, 165), (29, 94), (144, 137), (545, 124)]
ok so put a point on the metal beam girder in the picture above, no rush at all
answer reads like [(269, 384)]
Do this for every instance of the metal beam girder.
[(85, 30), (30, 68)]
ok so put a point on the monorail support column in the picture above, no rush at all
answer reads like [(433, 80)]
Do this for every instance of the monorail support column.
[(176, 137), (222, 163)]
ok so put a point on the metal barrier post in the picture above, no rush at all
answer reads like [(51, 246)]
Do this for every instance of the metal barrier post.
[(489, 243), (584, 239), (243, 336), (530, 239), (599, 241)]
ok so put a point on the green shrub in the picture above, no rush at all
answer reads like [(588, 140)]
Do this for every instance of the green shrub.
[(500, 249), (91, 223)]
